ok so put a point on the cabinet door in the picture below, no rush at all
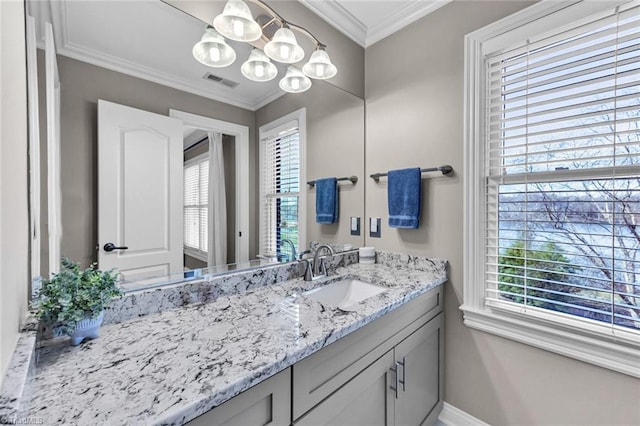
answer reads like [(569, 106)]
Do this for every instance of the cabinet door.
[(366, 400), (267, 403), (418, 363), (319, 375)]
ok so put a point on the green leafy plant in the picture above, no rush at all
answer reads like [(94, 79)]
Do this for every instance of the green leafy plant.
[(547, 279), (74, 294)]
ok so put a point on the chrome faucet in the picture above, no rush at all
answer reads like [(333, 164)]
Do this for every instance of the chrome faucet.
[(293, 248), (319, 263)]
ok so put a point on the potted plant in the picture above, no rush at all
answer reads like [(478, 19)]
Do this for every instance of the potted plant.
[(73, 300)]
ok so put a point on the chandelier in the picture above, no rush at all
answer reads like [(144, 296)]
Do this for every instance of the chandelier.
[(237, 23)]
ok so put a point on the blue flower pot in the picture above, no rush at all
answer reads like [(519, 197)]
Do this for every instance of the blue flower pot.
[(87, 329)]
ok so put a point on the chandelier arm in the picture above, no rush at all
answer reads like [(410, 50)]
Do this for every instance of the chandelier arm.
[(306, 32), (267, 8), (270, 21), (291, 25)]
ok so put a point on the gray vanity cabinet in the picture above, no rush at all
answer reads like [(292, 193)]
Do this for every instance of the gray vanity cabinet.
[(356, 376), (403, 387), (267, 403)]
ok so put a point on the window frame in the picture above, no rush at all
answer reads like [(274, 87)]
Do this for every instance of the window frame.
[(190, 251), (269, 131), (559, 333)]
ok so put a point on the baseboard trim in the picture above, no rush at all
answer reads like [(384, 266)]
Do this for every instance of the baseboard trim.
[(452, 416)]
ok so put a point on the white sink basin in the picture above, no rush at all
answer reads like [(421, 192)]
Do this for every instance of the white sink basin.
[(344, 294)]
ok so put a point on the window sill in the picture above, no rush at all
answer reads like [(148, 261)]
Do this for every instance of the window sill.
[(196, 254), (620, 354)]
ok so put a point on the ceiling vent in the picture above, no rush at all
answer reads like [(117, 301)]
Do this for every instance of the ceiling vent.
[(221, 80)]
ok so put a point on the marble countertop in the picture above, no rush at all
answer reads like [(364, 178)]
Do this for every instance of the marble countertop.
[(170, 367)]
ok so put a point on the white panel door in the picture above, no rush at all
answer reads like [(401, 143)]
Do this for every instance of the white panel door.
[(139, 192)]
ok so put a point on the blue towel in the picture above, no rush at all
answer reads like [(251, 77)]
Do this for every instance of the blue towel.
[(404, 196), (326, 200)]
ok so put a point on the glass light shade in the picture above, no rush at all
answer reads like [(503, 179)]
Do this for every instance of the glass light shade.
[(284, 47), (319, 66), (295, 81), (258, 67), (212, 50), (236, 23)]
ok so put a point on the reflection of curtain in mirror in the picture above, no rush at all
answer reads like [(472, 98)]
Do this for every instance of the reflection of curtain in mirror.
[(217, 222)]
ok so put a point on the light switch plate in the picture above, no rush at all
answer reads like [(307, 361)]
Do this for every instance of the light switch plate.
[(355, 225), (374, 227)]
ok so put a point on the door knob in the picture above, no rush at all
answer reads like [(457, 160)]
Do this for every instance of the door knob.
[(112, 247)]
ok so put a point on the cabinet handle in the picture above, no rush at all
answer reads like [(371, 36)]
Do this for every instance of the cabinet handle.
[(403, 382), (394, 385)]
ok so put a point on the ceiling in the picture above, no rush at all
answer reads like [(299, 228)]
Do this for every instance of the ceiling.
[(140, 44), (133, 37)]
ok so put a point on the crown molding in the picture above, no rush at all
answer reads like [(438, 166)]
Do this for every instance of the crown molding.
[(267, 98), (84, 54), (345, 22), (410, 13), (339, 18)]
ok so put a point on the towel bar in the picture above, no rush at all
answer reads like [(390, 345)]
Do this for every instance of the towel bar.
[(444, 169), (353, 179)]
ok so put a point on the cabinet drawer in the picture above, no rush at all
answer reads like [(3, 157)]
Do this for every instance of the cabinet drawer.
[(319, 375)]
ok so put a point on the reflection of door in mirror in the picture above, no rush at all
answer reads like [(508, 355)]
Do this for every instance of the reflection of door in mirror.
[(197, 133), (162, 183), (139, 192)]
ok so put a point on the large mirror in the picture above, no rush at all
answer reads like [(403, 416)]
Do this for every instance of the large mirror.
[(137, 55)]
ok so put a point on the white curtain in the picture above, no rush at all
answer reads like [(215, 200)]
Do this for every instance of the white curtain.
[(217, 247)]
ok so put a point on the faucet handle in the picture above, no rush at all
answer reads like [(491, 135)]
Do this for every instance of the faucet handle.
[(323, 266), (301, 255), (308, 272)]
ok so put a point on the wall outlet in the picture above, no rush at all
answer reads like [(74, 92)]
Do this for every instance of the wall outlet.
[(374, 227), (355, 225)]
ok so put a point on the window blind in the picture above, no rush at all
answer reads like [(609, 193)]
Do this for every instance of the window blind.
[(196, 203), (563, 171), (281, 190)]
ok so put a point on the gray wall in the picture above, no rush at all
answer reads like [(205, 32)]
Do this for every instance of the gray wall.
[(14, 214), (82, 85), (335, 147), (414, 94)]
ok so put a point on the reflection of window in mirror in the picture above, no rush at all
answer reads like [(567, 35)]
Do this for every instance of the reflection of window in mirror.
[(281, 170), (196, 191)]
